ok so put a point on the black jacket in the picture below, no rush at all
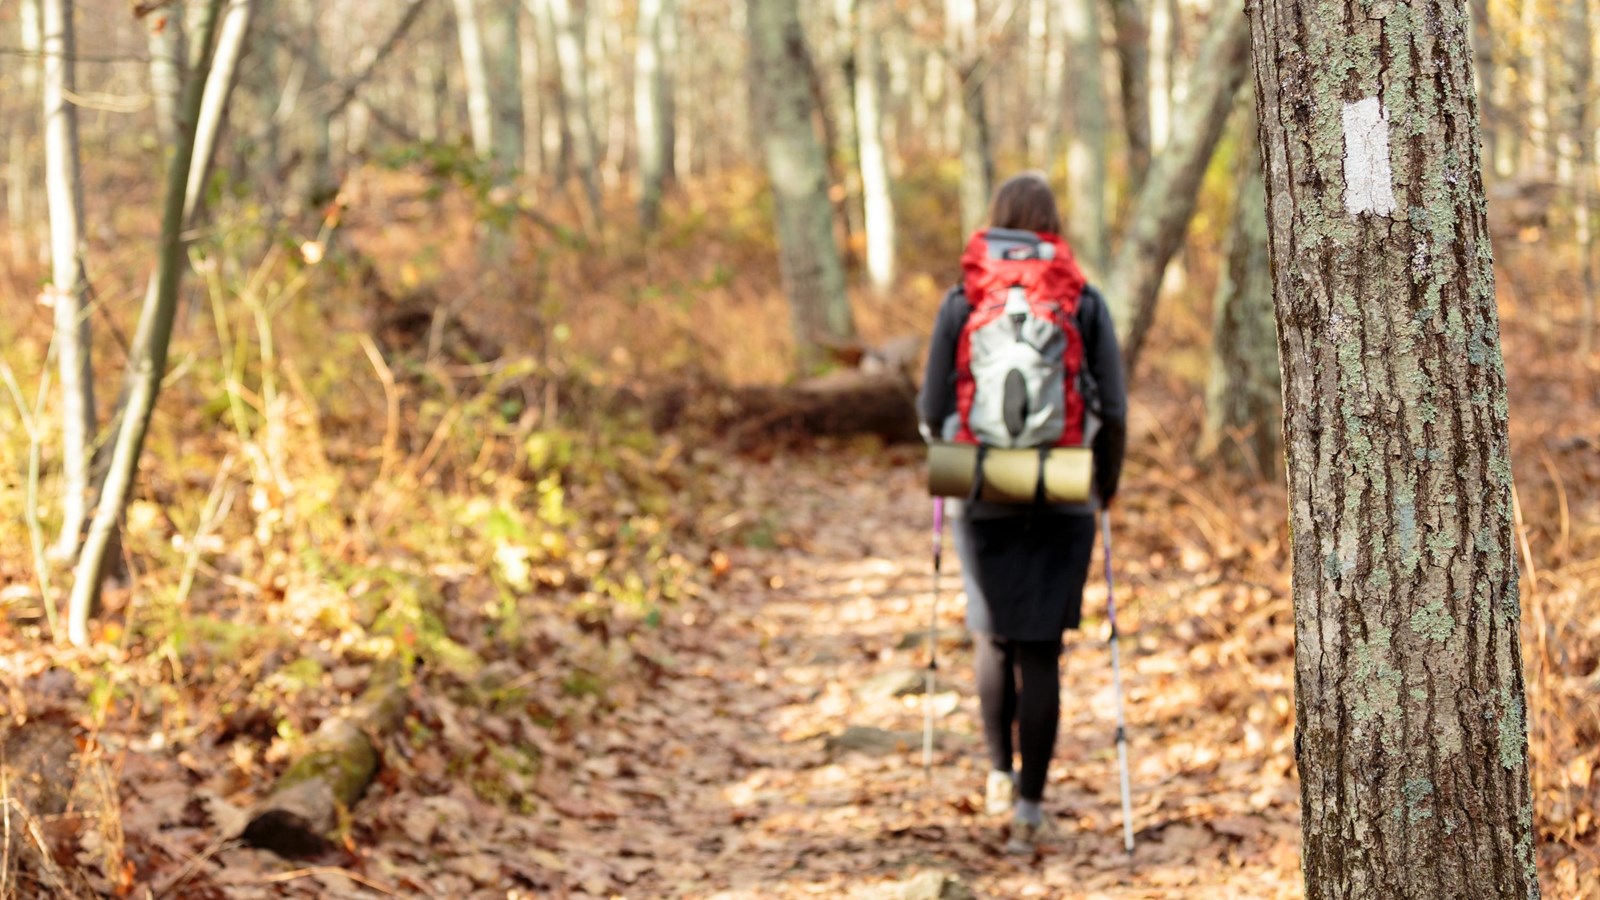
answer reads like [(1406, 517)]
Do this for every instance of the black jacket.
[(1104, 387)]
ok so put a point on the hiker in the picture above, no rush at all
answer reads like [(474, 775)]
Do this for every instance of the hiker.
[(1024, 565)]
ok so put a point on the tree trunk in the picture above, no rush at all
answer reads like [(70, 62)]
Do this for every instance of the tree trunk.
[(670, 62), (968, 71), (1578, 155), (554, 134), (1410, 709), (649, 101), (69, 288), (568, 23), (167, 55), (503, 57), (1133, 70), (475, 69), (1041, 123), (1244, 398), (1086, 136), (1163, 209), (1483, 58), (20, 171), (1161, 51), (232, 36), (147, 356), (813, 274), (877, 200)]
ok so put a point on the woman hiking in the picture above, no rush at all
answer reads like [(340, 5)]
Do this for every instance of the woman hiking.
[(1024, 565)]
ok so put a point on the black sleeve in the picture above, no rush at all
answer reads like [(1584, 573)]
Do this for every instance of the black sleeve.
[(1103, 358), (937, 399)]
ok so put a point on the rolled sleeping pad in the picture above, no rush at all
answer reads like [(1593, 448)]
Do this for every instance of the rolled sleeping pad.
[(1010, 475)]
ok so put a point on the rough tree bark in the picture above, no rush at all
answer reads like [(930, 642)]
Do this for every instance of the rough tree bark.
[(69, 283), (1166, 203), (147, 355), (1244, 397), (1133, 71), (877, 201), (813, 274), (1410, 709), (1086, 136)]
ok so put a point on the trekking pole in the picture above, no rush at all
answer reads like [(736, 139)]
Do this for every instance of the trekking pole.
[(933, 641), (1116, 680)]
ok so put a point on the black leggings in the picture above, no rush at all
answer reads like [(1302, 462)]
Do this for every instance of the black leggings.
[(1019, 684)]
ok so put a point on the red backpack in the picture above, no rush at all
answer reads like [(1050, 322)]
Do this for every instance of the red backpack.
[(1020, 354)]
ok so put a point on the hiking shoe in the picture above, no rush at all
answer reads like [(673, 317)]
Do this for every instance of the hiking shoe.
[(1026, 837), (999, 794)]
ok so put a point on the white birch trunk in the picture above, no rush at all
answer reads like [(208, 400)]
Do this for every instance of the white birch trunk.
[(877, 200), (649, 96), (475, 70), (20, 172), (69, 288)]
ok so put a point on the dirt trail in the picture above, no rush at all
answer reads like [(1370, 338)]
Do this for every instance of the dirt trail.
[(756, 796)]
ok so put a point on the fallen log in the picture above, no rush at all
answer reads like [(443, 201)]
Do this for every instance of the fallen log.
[(339, 761), (841, 404)]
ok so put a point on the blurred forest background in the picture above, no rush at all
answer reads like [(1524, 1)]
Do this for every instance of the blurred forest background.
[(511, 476)]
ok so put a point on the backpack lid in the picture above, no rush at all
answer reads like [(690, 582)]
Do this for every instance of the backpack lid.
[(1039, 262)]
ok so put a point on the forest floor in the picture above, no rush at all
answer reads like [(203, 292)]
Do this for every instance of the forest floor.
[(639, 664), (776, 751)]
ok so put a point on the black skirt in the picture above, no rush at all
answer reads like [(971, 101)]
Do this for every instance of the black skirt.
[(1024, 574)]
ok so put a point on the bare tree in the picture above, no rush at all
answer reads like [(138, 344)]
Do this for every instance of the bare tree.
[(475, 68), (569, 23), (813, 273), (69, 287), (1410, 729), (20, 172), (167, 54), (147, 357), (1166, 203)]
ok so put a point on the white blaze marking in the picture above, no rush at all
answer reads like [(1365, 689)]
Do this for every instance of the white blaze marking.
[(1368, 180)]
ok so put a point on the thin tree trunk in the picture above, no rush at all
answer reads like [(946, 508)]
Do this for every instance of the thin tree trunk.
[(877, 201), (475, 69), (20, 172), (813, 273), (167, 55), (555, 133), (969, 72), (649, 95), (1244, 398), (1041, 116), (147, 357), (503, 57), (1133, 70), (232, 35), (1163, 209), (1162, 36), (1578, 154), (671, 59), (569, 25), (1086, 136), (69, 281), (1488, 80), (1411, 731)]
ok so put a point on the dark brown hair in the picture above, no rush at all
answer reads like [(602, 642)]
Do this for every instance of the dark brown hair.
[(1025, 202)]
